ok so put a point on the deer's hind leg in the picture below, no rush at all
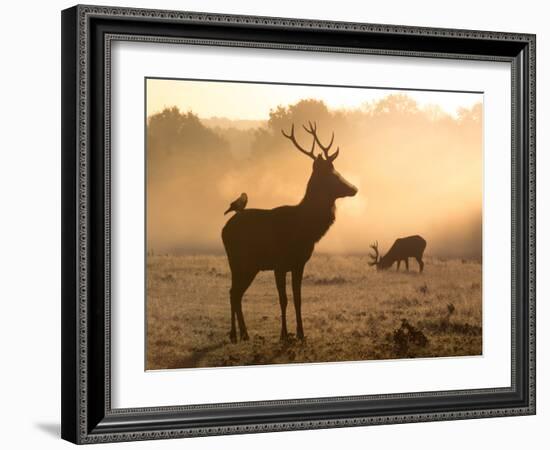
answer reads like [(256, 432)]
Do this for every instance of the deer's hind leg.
[(280, 280), (297, 275), (240, 281), (420, 263)]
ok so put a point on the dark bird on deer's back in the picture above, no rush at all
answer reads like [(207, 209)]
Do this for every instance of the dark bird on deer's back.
[(282, 239), (239, 204), (401, 250)]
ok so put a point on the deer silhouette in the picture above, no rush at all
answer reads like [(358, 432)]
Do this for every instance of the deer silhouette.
[(401, 250), (282, 239)]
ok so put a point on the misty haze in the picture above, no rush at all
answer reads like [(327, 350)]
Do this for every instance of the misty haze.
[(414, 161)]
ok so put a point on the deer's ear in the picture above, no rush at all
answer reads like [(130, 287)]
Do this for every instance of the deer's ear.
[(317, 162)]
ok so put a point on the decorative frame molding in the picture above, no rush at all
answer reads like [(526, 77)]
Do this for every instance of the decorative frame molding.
[(87, 34)]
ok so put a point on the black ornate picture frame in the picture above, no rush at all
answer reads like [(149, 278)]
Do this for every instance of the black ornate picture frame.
[(87, 35)]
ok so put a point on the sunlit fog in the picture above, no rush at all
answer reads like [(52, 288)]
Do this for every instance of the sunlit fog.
[(415, 157)]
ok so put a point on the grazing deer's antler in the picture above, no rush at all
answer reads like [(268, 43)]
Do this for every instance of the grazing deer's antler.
[(298, 146), (375, 256), (313, 131)]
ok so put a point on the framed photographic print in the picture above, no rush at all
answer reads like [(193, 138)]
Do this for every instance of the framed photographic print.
[(278, 224)]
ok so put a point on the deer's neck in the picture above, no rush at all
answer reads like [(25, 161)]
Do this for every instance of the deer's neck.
[(317, 214)]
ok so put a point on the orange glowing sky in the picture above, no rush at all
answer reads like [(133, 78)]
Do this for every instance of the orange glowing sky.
[(252, 101)]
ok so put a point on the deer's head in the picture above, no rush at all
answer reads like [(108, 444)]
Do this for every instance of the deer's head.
[(380, 262), (325, 180)]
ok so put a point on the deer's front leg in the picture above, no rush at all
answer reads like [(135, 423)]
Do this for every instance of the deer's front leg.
[(233, 332), (280, 280), (297, 275)]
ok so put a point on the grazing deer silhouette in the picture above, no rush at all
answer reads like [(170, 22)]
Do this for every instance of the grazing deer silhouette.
[(401, 250), (282, 239)]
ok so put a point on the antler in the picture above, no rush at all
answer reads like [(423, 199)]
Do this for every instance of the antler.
[(313, 131), (375, 256), (298, 146)]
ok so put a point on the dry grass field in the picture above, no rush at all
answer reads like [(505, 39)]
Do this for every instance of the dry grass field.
[(350, 312)]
